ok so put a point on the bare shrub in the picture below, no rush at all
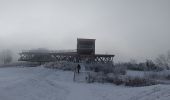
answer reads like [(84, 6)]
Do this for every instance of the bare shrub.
[(139, 81), (114, 78), (119, 69), (149, 65), (118, 81), (105, 68), (163, 61), (109, 78)]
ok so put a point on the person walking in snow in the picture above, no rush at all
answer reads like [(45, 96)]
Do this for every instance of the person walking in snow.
[(78, 68)]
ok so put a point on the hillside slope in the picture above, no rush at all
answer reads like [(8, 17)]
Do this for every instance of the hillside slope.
[(38, 83)]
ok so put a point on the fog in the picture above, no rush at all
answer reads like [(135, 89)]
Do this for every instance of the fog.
[(130, 29)]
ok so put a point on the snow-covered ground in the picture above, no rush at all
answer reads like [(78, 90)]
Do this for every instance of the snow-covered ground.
[(38, 83)]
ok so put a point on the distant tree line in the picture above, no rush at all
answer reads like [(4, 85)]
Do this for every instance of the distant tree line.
[(162, 62), (6, 56)]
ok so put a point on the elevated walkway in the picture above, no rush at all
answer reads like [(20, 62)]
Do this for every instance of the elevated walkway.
[(51, 56)]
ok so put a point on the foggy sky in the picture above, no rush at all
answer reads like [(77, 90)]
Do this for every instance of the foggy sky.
[(130, 29)]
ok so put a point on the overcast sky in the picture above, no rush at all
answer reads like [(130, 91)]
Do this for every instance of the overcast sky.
[(130, 29)]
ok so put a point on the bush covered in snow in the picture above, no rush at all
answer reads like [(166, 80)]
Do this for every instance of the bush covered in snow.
[(120, 79), (96, 77), (107, 68), (115, 79), (119, 69), (20, 64), (61, 65), (106, 78), (106, 73)]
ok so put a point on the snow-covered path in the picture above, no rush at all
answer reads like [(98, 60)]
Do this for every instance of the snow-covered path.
[(39, 83)]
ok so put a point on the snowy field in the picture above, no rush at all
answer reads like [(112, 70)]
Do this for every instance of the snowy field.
[(38, 83)]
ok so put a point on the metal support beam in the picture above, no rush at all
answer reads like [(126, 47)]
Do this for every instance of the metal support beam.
[(70, 57)]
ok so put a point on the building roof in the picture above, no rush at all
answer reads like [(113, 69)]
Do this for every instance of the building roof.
[(83, 39)]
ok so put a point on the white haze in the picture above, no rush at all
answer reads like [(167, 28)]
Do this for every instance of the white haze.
[(130, 29)]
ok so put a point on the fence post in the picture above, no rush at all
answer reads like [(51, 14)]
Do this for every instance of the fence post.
[(74, 76)]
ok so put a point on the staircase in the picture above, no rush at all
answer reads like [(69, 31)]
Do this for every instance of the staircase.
[(82, 76)]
